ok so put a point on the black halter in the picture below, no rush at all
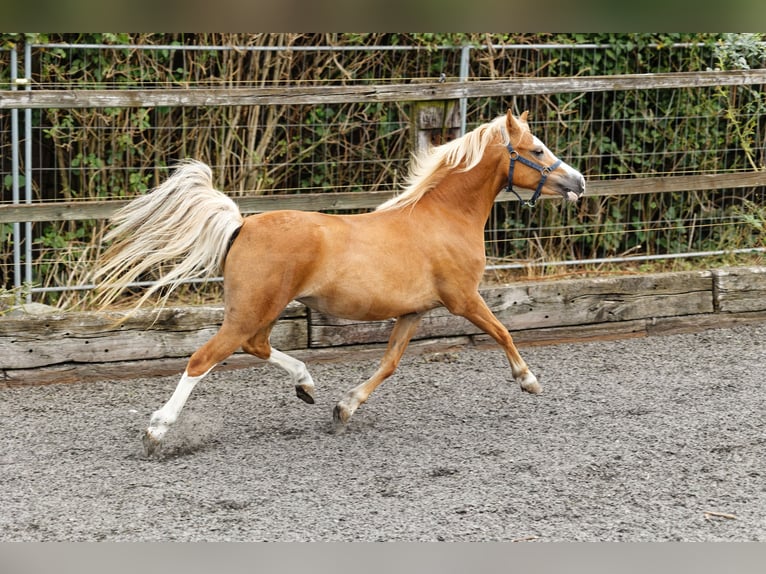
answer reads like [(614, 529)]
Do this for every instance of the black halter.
[(544, 172)]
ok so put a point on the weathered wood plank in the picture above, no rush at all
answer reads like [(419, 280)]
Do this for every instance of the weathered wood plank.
[(300, 94), (23, 352), (76, 210), (538, 305), (571, 334), (697, 323), (660, 326), (540, 312), (672, 184), (606, 299), (43, 340), (740, 289), (436, 122), (342, 201), (87, 372)]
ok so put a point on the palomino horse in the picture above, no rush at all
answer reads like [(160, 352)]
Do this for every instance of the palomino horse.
[(417, 251)]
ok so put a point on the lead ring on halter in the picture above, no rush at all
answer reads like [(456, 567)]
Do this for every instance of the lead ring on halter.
[(545, 171)]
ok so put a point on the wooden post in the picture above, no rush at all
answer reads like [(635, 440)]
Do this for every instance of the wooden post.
[(434, 123)]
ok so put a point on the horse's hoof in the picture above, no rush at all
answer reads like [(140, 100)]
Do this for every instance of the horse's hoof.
[(339, 420), (530, 384), (304, 394), (151, 444), (533, 388)]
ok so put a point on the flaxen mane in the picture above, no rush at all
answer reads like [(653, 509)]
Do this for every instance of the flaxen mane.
[(429, 167)]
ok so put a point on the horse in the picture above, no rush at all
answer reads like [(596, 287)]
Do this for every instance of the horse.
[(422, 249)]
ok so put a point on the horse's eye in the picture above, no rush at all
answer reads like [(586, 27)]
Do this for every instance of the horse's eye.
[(538, 152)]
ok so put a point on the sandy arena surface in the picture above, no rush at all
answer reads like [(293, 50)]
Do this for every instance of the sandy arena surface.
[(656, 439)]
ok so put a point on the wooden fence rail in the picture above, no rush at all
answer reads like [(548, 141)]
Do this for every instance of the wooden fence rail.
[(343, 201), (73, 346), (416, 91)]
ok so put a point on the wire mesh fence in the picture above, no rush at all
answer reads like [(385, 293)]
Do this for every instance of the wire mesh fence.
[(71, 155)]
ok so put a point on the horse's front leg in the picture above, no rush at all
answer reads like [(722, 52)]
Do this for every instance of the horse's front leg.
[(401, 334), (475, 310)]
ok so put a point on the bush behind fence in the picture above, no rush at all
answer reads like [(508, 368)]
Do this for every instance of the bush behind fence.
[(111, 153)]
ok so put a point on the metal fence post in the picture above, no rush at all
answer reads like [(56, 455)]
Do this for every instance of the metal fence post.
[(465, 59), (15, 175), (28, 170)]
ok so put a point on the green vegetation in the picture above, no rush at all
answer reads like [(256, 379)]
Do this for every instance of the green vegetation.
[(119, 153)]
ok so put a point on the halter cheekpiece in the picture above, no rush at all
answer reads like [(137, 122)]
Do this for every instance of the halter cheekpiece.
[(543, 169)]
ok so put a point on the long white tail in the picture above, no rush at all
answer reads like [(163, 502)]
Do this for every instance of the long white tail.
[(184, 221)]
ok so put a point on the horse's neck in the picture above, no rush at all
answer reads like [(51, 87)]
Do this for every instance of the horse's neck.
[(467, 195)]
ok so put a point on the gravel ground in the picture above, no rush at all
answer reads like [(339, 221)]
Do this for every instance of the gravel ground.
[(650, 439)]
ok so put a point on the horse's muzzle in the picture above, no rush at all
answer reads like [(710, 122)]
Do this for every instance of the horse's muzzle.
[(572, 188)]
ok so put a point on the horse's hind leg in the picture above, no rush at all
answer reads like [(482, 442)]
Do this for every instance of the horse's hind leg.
[(260, 347), (400, 337), (223, 344)]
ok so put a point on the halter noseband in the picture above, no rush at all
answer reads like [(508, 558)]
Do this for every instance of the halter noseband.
[(544, 172)]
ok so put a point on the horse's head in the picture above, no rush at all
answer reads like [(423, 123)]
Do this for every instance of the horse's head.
[(533, 166)]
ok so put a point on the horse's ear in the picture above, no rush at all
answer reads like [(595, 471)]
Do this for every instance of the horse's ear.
[(514, 128), (524, 116)]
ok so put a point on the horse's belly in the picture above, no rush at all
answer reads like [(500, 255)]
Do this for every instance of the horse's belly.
[(367, 306)]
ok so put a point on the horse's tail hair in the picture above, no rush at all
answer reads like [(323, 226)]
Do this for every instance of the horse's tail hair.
[(184, 224)]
